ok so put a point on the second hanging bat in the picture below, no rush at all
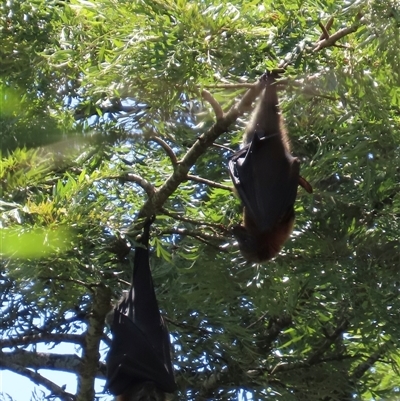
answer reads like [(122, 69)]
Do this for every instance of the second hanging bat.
[(266, 177), (138, 363)]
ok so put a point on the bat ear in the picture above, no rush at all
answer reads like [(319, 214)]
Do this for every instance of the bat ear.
[(305, 184)]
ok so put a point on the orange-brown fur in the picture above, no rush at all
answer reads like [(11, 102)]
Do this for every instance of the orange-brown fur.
[(268, 103), (255, 245)]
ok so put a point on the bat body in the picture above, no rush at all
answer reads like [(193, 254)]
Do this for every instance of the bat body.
[(142, 392), (138, 363), (266, 177)]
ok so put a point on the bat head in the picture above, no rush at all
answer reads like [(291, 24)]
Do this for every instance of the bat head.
[(250, 247), (259, 246)]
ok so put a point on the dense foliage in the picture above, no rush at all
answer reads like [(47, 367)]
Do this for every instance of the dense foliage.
[(108, 110)]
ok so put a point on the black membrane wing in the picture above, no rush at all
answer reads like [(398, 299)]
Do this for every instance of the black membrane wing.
[(266, 177), (132, 359), (140, 348)]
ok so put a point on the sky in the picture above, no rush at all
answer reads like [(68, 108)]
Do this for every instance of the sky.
[(20, 388)]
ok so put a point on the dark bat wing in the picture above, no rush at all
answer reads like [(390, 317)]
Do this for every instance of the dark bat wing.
[(266, 177), (132, 359), (140, 349)]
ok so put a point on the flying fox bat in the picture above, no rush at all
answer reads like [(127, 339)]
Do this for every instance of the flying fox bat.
[(266, 177), (139, 363)]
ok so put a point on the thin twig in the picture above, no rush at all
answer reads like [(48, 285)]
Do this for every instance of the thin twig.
[(307, 89), (246, 85), (127, 283), (167, 148), (329, 23), (90, 287), (193, 233), (219, 113), (202, 237), (262, 317), (149, 188), (209, 182), (341, 46), (325, 33), (217, 145), (188, 326)]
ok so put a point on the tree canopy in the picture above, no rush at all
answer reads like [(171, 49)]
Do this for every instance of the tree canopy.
[(112, 111)]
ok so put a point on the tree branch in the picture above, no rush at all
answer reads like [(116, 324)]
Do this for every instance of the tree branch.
[(364, 366), (275, 326), (42, 360), (317, 354), (90, 351), (199, 147), (331, 40), (286, 367), (45, 337), (36, 378)]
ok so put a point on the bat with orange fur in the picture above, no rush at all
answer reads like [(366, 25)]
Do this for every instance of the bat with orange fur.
[(266, 177)]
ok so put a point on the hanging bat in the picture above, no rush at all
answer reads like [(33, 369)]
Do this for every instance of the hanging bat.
[(266, 177), (139, 362)]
